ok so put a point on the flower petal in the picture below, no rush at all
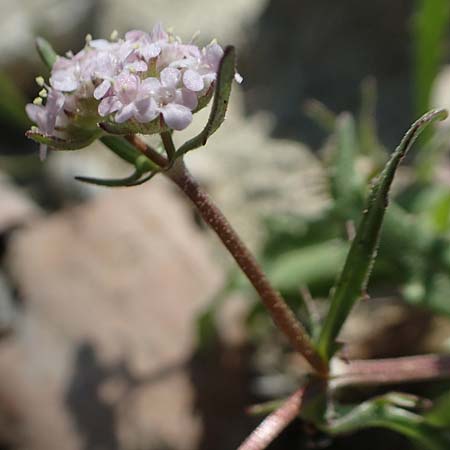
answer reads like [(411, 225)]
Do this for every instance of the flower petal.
[(100, 44), (158, 33), (125, 113), (108, 105), (149, 51), (36, 114), (102, 89), (146, 110), (135, 35), (177, 117), (213, 55), (187, 98), (64, 80), (193, 80), (170, 77), (150, 86), (136, 66)]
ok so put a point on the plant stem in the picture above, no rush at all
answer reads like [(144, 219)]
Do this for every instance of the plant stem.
[(168, 144), (280, 312), (148, 151), (391, 370), (271, 427)]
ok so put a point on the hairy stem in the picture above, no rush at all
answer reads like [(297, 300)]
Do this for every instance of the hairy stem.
[(271, 427), (148, 151), (391, 370), (280, 312)]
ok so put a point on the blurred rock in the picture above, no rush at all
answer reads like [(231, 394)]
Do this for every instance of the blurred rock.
[(110, 291), (63, 22), (17, 208), (8, 311), (396, 329)]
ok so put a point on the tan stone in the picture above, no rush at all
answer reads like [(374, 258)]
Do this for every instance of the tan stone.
[(111, 290), (16, 208)]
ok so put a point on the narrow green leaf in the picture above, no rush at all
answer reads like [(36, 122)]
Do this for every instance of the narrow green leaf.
[(320, 114), (113, 182), (46, 52), (81, 140), (383, 412), (128, 152), (227, 70), (307, 266), (353, 279), (143, 179), (121, 147), (346, 185)]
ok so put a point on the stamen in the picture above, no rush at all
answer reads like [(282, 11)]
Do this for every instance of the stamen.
[(43, 93), (37, 101), (40, 81)]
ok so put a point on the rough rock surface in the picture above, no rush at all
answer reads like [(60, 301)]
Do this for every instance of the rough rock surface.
[(109, 294)]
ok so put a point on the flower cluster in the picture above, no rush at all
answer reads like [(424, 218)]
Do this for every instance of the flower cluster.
[(141, 78)]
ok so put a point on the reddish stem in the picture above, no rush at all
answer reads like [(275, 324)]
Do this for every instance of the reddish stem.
[(148, 151), (271, 427), (392, 370), (280, 312)]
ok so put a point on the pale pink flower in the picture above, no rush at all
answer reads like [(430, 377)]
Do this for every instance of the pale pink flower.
[(130, 98), (139, 77), (174, 102), (46, 116)]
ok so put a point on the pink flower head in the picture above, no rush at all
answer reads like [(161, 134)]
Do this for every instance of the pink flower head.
[(139, 77)]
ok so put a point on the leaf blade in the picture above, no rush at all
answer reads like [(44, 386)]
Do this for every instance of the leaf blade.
[(46, 52), (353, 279), (384, 412), (226, 72)]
